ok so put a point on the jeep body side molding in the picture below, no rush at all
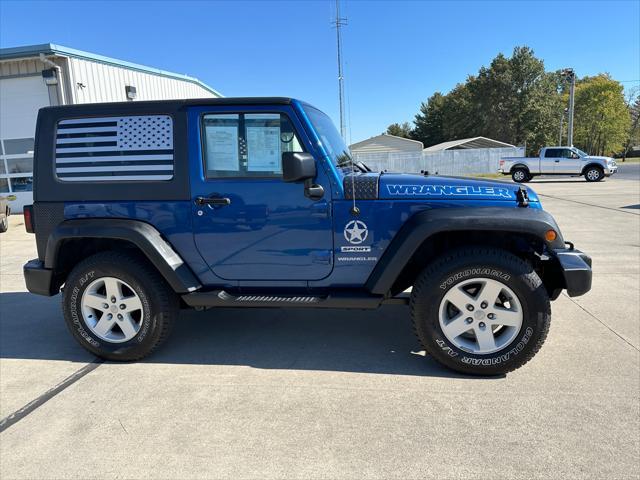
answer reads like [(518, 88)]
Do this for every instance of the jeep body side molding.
[(141, 234), (427, 223)]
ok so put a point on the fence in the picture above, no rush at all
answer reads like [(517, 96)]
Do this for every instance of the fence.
[(445, 162)]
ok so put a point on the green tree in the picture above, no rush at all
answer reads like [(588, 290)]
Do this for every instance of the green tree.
[(516, 100), (513, 100), (602, 118), (403, 130), (428, 122)]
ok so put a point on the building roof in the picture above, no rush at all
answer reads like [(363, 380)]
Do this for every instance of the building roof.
[(14, 53), (381, 137), (464, 143)]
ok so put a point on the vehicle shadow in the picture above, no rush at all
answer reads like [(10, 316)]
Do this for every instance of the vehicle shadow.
[(373, 341)]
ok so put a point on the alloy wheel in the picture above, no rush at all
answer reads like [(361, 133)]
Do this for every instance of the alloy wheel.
[(480, 315), (112, 310)]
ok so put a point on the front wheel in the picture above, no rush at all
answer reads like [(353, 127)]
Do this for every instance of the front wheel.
[(594, 174), (117, 306), (480, 311)]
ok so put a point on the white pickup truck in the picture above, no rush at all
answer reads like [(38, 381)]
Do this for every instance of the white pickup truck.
[(558, 161)]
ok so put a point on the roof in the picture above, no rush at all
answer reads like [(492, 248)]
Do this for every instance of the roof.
[(464, 143), (175, 104), (378, 137), (59, 50)]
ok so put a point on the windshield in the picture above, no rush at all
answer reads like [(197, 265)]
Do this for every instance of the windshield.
[(580, 152), (330, 138)]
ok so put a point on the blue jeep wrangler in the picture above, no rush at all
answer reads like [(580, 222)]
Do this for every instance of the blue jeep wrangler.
[(143, 208)]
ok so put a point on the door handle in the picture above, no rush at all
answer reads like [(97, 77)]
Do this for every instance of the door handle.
[(220, 201), (313, 191), (557, 161)]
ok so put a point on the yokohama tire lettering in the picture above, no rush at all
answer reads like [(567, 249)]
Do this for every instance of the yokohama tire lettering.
[(74, 310), (445, 348), (474, 271)]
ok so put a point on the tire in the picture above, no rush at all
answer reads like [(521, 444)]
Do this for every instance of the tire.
[(4, 224), (594, 174), (151, 307), (514, 346), (520, 175)]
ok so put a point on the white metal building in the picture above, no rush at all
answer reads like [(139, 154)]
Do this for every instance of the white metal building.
[(467, 156), (36, 76), (385, 144), (468, 143)]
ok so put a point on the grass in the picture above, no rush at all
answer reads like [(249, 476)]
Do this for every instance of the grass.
[(628, 160)]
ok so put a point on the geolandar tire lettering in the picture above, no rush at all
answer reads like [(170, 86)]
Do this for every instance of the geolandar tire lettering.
[(480, 311), (117, 306)]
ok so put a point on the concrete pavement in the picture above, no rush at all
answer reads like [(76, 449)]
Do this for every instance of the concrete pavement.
[(337, 394)]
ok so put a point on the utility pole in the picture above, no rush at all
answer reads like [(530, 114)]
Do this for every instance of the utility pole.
[(339, 22), (569, 74), (564, 112)]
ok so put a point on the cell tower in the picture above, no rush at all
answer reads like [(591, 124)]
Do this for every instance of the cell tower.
[(339, 22)]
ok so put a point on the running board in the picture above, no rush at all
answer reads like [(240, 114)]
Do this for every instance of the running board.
[(220, 298)]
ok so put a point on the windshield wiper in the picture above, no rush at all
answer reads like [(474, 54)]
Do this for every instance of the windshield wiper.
[(363, 166), (345, 160)]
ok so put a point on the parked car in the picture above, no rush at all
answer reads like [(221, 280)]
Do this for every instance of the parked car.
[(558, 161), (5, 211), (255, 202)]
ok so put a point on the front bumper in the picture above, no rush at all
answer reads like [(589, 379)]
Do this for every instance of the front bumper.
[(576, 270), (39, 280), (610, 170)]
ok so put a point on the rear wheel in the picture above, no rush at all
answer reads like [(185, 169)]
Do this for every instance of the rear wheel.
[(520, 175), (4, 223), (594, 174), (480, 311), (118, 307)]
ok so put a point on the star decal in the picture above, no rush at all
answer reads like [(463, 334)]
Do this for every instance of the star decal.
[(356, 232)]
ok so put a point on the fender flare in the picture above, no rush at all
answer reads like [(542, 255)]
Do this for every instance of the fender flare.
[(589, 165), (425, 224), (519, 165), (144, 236)]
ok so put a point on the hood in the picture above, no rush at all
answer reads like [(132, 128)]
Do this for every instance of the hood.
[(594, 157), (429, 187)]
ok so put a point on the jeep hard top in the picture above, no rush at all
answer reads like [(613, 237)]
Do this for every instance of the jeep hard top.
[(143, 208)]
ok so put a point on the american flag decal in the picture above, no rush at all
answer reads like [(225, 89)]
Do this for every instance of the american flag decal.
[(115, 148)]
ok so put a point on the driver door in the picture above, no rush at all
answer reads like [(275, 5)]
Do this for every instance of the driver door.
[(569, 163), (248, 224)]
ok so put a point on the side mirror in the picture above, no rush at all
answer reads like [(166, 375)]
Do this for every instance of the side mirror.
[(298, 166)]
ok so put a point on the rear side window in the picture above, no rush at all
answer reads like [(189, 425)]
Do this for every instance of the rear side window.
[(247, 145), (108, 149), (553, 153)]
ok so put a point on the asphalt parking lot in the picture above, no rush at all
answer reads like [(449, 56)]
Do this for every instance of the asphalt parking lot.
[(335, 394)]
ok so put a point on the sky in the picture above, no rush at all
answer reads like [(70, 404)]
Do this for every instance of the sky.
[(396, 53)]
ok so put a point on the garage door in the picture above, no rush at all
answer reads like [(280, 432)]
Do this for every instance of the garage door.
[(20, 100)]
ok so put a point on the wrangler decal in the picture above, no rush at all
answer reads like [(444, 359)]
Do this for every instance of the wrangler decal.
[(448, 190)]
